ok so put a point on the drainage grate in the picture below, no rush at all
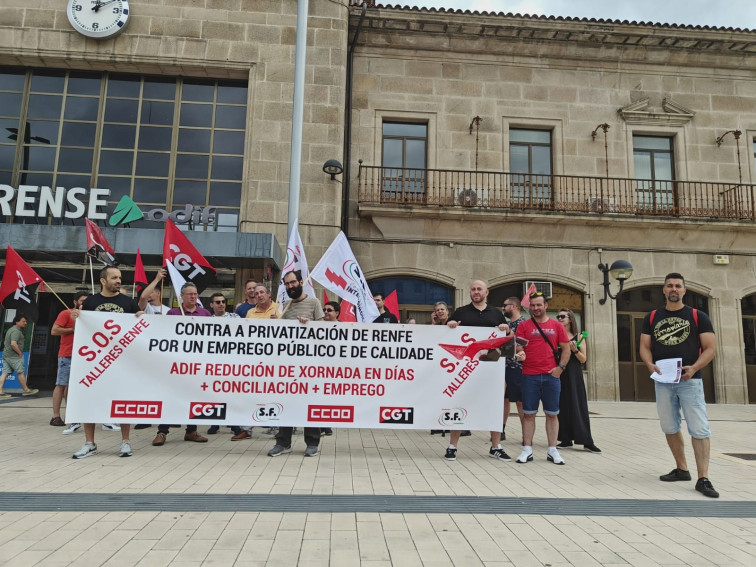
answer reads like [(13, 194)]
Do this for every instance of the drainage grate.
[(744, 456), (76, 502)]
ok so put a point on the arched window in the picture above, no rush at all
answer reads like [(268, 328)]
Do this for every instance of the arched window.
[(416, 296)]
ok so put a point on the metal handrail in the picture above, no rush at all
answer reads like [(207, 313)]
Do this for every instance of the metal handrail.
[(557, 193)]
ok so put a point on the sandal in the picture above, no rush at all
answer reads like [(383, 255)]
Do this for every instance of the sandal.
[(57, 422)]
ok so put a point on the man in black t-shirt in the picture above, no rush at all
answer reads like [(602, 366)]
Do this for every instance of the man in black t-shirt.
[(478, 314), (109, 299), (385, 316), (678, 331)]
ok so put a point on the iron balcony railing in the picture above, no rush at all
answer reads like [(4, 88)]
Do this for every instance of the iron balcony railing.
[(556, 193)]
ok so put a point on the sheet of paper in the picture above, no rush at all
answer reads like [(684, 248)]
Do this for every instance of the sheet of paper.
[(671, 370)]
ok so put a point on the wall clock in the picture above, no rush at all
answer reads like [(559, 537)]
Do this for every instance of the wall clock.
[(98, 19)]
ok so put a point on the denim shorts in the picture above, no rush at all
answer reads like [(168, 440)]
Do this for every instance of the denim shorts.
[(688, 396), (64, 370), (541, 387), (514, 385)]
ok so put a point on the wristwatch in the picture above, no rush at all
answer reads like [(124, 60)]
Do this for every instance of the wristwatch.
[(562, 366)]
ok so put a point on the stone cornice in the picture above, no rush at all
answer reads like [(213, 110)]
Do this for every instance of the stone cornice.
[(512, 35)]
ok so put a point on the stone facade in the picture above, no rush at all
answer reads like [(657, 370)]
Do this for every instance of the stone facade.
[(240, 39), (566, 76), (443, 69)]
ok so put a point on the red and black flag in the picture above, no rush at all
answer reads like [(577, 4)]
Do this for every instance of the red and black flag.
[(140, 276), (19, 287), (190, 264), (98, 246)]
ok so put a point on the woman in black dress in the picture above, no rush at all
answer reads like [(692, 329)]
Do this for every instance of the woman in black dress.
[(574, 423)]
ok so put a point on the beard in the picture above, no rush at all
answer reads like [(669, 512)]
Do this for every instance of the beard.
[(294, 292)]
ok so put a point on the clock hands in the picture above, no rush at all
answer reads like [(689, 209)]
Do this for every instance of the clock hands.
[(99, 5)]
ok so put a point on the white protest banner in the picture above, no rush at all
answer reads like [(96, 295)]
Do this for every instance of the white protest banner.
[(129, 369), (339, 272), (295, 261)]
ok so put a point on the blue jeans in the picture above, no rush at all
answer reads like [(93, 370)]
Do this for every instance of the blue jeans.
[(688, 396), (64, 371), (541, 387)]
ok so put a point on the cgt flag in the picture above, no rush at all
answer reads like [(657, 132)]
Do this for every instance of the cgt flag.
[(339, 272), (19, 286), (140, 276), (98, 246), (295, 260), (186, 259)]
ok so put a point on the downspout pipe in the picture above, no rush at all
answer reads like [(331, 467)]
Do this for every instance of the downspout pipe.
[(345, 180)]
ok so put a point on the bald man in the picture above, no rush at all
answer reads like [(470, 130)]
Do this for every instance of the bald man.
[(478, 314)]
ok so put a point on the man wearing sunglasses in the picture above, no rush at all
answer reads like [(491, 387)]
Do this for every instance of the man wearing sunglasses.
[(541, 375), (218, 305)]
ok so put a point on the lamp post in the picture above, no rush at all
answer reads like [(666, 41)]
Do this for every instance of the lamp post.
[(620, 270)]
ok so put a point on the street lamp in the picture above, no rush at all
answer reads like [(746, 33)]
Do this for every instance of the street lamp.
[(333, 168), (620, 270)]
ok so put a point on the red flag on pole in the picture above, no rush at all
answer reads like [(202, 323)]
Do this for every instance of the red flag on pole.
[(19, 286), (391, 304), (140, 276), (178, 250), (526, 300), (347, 314), (98, 246)]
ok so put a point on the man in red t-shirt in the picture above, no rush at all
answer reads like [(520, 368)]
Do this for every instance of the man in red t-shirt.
[(64, 328), (541, 375)]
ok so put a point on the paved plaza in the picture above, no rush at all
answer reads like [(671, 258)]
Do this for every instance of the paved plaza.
[(373, 498)]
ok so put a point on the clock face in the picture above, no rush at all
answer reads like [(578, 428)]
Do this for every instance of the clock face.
[(99, 19)]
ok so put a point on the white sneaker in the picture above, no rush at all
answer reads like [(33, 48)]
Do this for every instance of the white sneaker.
[(73, 428), (554, 456), (111, 427), (526, 456), (125, 449), (87, 450)]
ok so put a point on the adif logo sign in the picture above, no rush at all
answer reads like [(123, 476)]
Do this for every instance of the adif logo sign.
[(127, 211)]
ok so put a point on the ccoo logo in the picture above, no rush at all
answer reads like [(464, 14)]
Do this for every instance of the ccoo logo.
[(135, 409), (341, 414)]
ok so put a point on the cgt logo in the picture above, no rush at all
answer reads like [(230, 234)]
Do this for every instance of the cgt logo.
[(340, 414), (396, 415), (136, 409), (452, 416), (207, 410), (268, 412)]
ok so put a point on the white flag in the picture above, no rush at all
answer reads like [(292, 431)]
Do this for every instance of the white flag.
[(177, 280), (339, 272), (295, 260)]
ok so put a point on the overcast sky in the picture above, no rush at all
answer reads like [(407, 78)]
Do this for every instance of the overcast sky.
[(715, 13)]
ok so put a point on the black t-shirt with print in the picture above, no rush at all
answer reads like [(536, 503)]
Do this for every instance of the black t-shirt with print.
[(470, 316), (674, 334), (117, 304)]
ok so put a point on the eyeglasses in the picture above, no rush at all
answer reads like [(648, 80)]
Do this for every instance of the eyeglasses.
[(329, 310), (562, 316), (536, 294), (220, 301)]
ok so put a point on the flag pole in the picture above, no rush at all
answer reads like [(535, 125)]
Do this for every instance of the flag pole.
[(91, 273)]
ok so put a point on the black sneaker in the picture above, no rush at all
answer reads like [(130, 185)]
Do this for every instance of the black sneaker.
[(498, 453), (592, 448), (565, 445), (705, 487), (451, 454), (675, 475)]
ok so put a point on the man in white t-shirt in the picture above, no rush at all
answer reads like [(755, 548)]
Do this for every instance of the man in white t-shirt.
[(150, 300)]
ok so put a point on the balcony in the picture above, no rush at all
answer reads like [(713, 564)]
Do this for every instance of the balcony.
[(493, 190)]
